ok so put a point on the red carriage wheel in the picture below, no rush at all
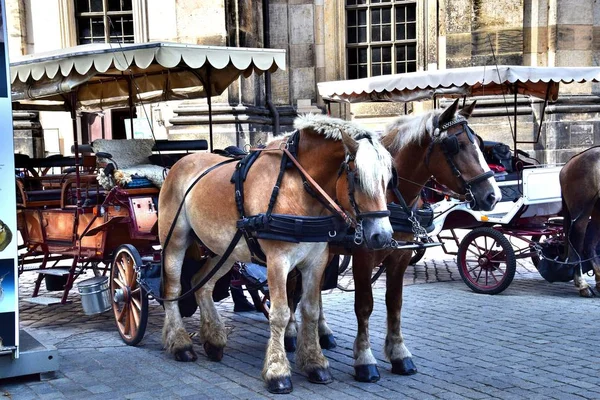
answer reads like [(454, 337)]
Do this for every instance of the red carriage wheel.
[(486, 261), (129, 299)]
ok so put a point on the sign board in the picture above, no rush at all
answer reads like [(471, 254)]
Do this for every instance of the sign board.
[(9, 296)]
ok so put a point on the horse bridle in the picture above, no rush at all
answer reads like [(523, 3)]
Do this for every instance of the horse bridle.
[(450, 147), (352, 178)]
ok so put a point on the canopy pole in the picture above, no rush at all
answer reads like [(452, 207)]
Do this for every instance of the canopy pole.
[(131, 105), (76, 147), (209, 101), (515, 135)]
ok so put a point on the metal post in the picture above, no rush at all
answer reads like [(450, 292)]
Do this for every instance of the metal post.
[(515, 123), (131, 104), (208, 91), (76, 147)]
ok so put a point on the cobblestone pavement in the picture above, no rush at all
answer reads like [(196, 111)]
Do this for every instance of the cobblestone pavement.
[(534, 341)]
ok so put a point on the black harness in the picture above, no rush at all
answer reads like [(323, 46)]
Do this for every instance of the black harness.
[(450, 147)]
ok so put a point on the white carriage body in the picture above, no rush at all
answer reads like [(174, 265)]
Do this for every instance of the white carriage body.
[(538, 192)]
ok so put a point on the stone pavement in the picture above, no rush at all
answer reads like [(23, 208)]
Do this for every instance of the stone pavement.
[(534, 341)]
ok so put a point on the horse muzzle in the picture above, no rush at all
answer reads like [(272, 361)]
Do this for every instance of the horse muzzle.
[(377, 231), (484, 198)]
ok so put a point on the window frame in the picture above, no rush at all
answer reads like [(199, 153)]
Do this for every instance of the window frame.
[(105, 14), (370, 45)]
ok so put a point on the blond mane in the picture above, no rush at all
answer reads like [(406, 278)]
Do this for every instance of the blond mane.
[(373, 162)]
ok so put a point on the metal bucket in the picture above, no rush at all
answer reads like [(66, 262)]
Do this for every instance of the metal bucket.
[(95, 295)]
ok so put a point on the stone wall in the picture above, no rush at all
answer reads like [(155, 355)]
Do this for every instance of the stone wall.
[(475, 27)]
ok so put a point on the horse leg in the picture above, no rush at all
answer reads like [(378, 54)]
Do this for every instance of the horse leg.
[(576, 238), (395, 349), (175, 338), (365, 364), (592, 240), (294, 291), (212, 329), (326, 338), (276, 369), (309, 356)]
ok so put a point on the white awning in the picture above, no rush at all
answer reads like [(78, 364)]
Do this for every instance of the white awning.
[(104, 75), (470, 81)]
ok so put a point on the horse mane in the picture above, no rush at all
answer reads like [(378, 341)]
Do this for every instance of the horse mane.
[(373, 162), (409, 129)]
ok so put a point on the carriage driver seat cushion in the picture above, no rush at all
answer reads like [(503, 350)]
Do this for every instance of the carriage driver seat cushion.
[(131, 159)]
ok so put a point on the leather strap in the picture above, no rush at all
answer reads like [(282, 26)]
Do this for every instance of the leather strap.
[(320, 190)]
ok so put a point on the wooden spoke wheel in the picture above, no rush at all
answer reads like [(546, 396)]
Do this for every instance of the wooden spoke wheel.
[(486, 261), (129, 299), (345, 277)]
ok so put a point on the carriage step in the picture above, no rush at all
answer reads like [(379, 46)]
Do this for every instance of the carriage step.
[(51, 271), (44, 301)]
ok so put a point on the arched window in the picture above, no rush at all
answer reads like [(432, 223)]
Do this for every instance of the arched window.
[(381, 37), (102, 21)]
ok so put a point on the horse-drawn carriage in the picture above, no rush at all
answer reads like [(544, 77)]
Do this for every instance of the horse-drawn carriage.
[(98, 209), (525, 223)]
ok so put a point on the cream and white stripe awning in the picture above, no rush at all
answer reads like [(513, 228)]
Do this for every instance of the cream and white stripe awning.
[(105, 75)]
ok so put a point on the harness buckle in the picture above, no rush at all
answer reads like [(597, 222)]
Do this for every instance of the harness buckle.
[(358, 233)]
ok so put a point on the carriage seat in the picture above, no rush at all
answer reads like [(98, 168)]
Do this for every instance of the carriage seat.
[(135, 164), (129, 161)]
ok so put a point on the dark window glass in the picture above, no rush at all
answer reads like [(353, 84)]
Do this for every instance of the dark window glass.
[(362, 55), (362, 71), (381, 37), (82, 6), (97, 6), (411, 31), (376, 54), (386, 33), (362, 17)]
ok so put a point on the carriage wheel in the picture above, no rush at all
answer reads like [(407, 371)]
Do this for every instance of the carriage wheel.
[(345, 278), (486, 261), (130, 301)]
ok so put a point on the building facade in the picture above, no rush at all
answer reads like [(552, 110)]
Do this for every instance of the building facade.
[(330, 40)]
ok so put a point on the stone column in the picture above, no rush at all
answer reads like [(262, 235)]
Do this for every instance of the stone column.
[(573, 122)]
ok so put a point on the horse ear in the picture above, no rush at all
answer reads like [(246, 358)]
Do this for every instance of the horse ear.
[(448, 114), (468, 110), (350, 144)]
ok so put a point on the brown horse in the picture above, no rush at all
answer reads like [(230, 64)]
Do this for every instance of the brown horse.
[(579, 183), (439, 144), (209, 213)]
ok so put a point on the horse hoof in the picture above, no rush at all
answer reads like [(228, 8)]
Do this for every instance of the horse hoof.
[(366, 373), (587, 292), (404, 367), (281, 385), (290, 344), (320, 375), (187, 355), (327, 342), (214, 353)]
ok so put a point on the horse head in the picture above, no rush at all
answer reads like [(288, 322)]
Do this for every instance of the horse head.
[(449, 150), (362, 188), (361, 169)]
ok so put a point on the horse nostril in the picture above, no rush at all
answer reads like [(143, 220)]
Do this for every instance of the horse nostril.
[(375, 238), (491, 198)]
